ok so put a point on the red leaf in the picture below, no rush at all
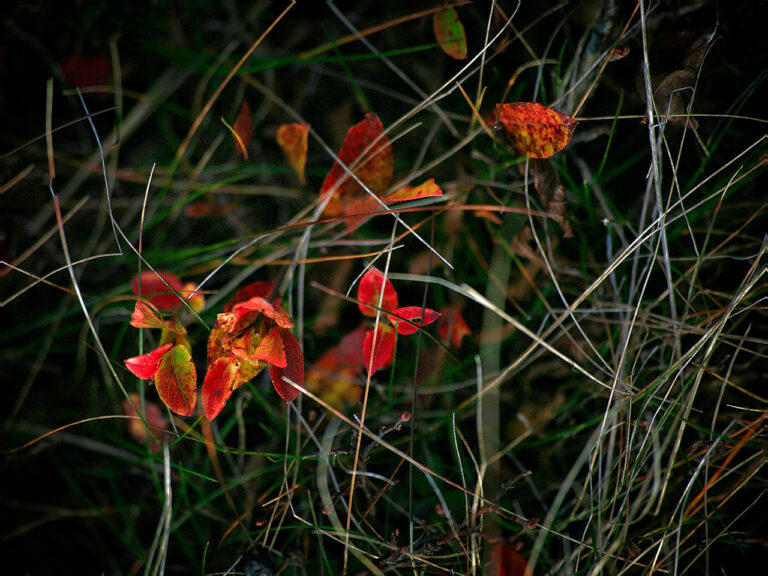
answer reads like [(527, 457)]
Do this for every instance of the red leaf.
[(369, 290), (452, 326), (368, 154), (351, 347), (85, 71), (536, 130), (423, 190), (412, 313), (271, 349), (145, 366), (294, 369), (156, 291), (384, 352), (244, 130), (292, 139), (220, 381), (153, 416), (176, 381), (449, 32), (509, 562), (252, 290)]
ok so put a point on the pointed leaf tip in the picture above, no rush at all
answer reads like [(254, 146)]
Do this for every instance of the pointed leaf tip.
[(145, 366), (413, 314)]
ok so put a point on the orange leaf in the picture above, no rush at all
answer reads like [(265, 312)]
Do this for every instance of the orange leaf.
[(194, 298), (244, 130), (381, 356), (414, 314), (176, 381), (156, 291), (536, 130), (292, 139), (452, 326), (366, 151), (146, 365), (271, 349), (220, 381), (509, 562), (146, 316), (423, 190), (369, 289), (293, 370), (449, 32)]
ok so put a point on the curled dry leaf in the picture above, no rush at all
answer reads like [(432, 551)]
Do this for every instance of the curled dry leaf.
[(293, 140), (508, 561), (449, 32), (536, 130)]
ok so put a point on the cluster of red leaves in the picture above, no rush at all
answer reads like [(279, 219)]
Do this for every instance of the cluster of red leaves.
[(335, 375), (251, 334), (375, 291)]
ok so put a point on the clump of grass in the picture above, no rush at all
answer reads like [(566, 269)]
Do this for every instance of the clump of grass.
[(604, 416)]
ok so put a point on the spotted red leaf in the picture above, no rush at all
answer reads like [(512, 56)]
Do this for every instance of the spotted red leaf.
[(413, 314), (452, 327), (292, 139), (176, 381), (449, 32), (156, 290), (218, 385), (244, 130), (536, 130), (367, 152), (145, 366), (369, 289), (381, 355), (294, 369)]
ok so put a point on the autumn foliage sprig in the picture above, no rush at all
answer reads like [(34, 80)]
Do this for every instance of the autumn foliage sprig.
[(252, 333)]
